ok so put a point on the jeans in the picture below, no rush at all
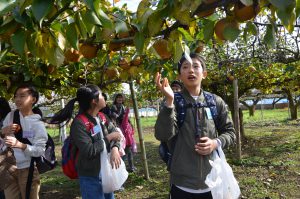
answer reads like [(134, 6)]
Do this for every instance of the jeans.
[(2, 195), (91, 188)]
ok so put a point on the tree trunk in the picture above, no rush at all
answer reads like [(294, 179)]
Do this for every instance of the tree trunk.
[(242, 130), (236, 119), (251, 110), (293, 106), (294, 112), (275, 101), (139, 128)]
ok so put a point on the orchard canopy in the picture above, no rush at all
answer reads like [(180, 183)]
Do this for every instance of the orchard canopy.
[(58, 45)]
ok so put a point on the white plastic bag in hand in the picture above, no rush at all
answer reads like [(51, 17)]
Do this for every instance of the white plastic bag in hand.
[(112, 178), (221, 179)]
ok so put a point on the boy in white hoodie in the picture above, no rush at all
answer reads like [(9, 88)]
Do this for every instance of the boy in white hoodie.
[(32, 129)]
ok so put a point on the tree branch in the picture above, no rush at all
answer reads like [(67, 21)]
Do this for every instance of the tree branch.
[(66, 7), (279, 25)]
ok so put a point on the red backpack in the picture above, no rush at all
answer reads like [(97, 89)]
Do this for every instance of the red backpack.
[(69, 158)]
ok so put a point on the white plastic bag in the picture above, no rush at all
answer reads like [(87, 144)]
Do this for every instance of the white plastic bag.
[(221, 179), (112, 178)]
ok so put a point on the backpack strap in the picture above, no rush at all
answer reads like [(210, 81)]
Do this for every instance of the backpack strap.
[(19, 136), (180, 105), (212, 104), (103, 118), (88, 125)]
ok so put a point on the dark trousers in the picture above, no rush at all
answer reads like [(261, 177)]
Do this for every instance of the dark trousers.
[(177, 193), (129, 156), (2, 195)]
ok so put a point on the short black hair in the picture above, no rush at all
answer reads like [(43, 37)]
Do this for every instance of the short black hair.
[(104, 96), (192, 55), (4, 108), (32, 91)]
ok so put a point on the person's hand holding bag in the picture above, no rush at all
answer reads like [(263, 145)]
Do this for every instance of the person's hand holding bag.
[(114, 136), (115, 159)]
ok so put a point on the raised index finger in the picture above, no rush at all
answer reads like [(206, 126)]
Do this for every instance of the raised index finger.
[(157, 79)]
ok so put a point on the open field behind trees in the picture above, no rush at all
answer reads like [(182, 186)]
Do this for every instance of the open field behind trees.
[(270, 167)]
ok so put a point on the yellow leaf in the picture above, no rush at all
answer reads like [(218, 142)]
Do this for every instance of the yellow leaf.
[(181, 14), (116, 1), (39, 39)]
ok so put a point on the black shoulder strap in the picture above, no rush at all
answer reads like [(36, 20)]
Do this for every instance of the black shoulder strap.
[(19, 136), (212, 104), (180, 106)]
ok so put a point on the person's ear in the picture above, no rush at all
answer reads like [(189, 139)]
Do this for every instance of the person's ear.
[(33, 101), (94, 101), (204, 74)]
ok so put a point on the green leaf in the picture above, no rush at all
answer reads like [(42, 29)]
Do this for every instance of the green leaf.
[(92, 18), (251, 28), (282, 4), (287, 17), (269, 37), (144, 18), (56, 56), (284, 16), (186, 34), (194, 4), (30, 41), (142, 8), (231, 33), (80, 25), (71, 35), (18, 41), (183, 16), (40, 8), (7, 5), (121, 26), (90, 4), (64, 2), (178, 50), (105, 20), (139, 41), (102, 57), (89, 26), (57, 26), (20, 18), (155, 23), (3, 55), (4, 77), (25, 5), (208, 30), (297, 8)]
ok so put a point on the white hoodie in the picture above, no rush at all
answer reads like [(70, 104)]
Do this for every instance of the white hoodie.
[(38, 141)]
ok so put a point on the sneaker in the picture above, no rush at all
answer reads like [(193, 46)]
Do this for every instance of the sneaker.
[(121, 189), (132, 169)]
